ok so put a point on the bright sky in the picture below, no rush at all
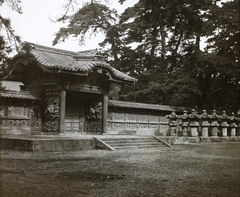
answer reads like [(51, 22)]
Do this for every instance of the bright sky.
[(34, 25)]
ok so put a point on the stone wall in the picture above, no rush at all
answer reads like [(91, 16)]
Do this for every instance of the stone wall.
[(20, 112), (16, 119), (133, 123)]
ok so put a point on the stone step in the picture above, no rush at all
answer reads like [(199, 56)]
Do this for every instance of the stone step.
[(139, 146), (138, 142), (132, 144), (129, 141)]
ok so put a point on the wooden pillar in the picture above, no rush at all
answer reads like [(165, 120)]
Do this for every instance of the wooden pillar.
[(6, 110), (105, 113), (62, 110)]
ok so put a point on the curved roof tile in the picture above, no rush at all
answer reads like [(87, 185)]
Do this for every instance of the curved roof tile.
[(51, 58), (18, 95)]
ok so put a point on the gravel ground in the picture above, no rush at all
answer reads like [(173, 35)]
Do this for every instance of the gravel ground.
[(189, 170)]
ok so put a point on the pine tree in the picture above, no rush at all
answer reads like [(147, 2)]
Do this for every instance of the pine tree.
[(9, 41)]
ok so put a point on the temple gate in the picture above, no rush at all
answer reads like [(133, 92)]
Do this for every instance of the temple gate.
[(72, 87)]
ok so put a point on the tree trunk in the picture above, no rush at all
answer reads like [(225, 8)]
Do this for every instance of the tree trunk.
[(163, 42), (154, 41)]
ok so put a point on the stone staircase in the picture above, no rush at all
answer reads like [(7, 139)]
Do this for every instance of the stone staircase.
[(127, 143)]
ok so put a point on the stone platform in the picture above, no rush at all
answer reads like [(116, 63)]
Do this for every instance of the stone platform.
[(45, 143), (61, 142), (67, 142)]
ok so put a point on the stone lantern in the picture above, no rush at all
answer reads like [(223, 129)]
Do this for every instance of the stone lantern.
[(224, 125), (238, 129), (233, 125), (173, 123), (184, 118), (214, 124), (204, 123), (194, 123)]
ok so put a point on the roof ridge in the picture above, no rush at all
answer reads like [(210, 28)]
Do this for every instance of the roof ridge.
[(50, 49), (88, 51), (137, 103), (54, 50), (15, 91), (75, 55)]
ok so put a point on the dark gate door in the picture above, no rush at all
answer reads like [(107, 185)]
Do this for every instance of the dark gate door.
[(72, 120)]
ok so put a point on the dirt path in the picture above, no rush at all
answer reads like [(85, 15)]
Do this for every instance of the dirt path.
[(190, 170)]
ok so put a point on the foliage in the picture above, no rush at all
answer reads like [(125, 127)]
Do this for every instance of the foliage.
[(169, 34), (91, 18), (222, 56), (158, 42), (8, 39)]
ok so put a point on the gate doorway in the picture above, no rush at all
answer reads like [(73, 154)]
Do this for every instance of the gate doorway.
[(77, 112), (74, 119)]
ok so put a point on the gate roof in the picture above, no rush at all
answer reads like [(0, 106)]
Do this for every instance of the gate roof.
[(63, 61)]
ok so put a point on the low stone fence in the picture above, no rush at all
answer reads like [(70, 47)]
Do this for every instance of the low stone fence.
[(14, 118), (204, 125), (130, 123), (131, 118), (19, 119)]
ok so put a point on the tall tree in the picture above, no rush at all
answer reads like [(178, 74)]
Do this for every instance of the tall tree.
[(222, 55), (181, 23), (91, 18), (9, 41)]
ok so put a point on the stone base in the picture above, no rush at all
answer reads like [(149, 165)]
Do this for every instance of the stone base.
[(225, 138), (45, 143), (205, 140), (50, 133), (139, 131), (180, 140), (215, 139), (234, 138), (193, 140), (122, 132), (17, 130)]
